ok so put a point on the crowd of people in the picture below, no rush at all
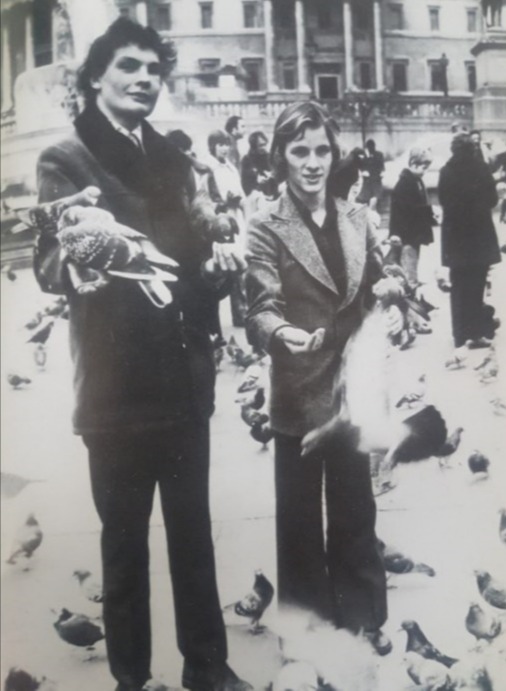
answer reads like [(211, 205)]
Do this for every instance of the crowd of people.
[(276, 232)]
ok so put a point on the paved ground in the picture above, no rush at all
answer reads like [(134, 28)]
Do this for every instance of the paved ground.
[(446, 519)]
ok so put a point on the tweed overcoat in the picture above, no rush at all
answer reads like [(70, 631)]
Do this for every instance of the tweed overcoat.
[(288, 283)]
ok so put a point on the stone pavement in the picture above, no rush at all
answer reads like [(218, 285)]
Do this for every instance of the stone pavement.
[(446, 519)]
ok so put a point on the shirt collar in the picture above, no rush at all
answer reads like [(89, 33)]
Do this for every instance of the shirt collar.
[(331, 211), (137, 132)]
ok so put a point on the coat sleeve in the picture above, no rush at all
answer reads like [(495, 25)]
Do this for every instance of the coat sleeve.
[(53, 183), (263, 288), (374, 258)]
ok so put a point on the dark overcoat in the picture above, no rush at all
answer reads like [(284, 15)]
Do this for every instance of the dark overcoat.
[(288, 283), (136, 366), (411, 217), (467, 194)]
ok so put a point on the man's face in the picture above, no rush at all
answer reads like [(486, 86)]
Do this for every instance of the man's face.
[(240, 130), (476, 138), (308, 159), (130, 85), (261, 145)]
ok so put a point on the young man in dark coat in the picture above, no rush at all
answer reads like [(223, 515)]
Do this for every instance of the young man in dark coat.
[(144, 375), (411, 217), (467, 194)]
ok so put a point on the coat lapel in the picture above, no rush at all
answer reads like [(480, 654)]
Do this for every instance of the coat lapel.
[(287, 224)]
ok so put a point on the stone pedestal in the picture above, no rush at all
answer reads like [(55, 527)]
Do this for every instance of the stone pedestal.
[(490, 95)]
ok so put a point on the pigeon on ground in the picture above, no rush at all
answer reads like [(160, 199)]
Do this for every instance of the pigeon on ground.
[(18, 381), (56, 308), (457, 360), (10, 273), (393, 256), (231, 347), (40, 355), (398, 563), (243, 359), (254, 604), (482, 625), (77, 629), (12, 485), (20, 680), (253, 417), (428, 673), (34, 322), (89, 587), (41, 336), (418, 643), (489, 367), (492, 590), (443, 284), (218, 353), (502, 526), (470, 674), (27, 540), (155, 685), (251, 379), (498, 406), (262, 432), (255, 399), (478, 462), (452, 443)]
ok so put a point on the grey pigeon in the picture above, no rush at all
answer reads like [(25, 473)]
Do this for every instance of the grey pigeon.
[(482, 625), (12, 485), (502, 526), (398, 563), (427, 673), (418, 643), (478, 462), (254, 604), (77, 629), (492, 591), (452, 443), (18, 381), (89, 587), (27, 540)]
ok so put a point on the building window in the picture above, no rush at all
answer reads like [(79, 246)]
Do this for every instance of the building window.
[(361, 16), (327, 87), (254, 74), (289, 76), (400, 76), (434, 18), (436, 75), (253, 18), (283, 14), (472, 21), (471, 76), (163, 17), (206, 15), (209, 72), (365, 75), (396, 17), (324, 15)]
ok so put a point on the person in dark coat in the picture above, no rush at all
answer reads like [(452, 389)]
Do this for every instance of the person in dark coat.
[(144, 375), (311, 262), (469, 245), (411, 216), (256, 172), (373, 167)]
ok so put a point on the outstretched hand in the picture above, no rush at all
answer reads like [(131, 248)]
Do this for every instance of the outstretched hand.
[(227, 259), (299, 340)]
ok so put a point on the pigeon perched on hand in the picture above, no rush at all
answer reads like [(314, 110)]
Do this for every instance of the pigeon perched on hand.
[(90, 588), (12, 485), (492, 590), (77, 629), (446, 450), (418, 643), (482, 625), (254, 604), (18, 381), (478, 463), (398, 563), (28, 539), (428, 673)]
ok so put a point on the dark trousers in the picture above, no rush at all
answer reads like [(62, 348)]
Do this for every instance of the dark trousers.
[(125, 469), (466, 300), (343, 577)]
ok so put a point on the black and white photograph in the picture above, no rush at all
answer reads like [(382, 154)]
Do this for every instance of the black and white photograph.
[(253, 346)]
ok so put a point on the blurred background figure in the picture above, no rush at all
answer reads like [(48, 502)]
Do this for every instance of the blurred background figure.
[(257, 179), (224, 188), (373, 167), (184, 143), (347, 175), (467, 194), (235, 128), (411, 216)]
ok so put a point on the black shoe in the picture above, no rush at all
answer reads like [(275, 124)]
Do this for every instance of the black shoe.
[(214, 677), (379, 641)]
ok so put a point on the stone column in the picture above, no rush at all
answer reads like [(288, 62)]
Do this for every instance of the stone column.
[(141, 12), (269, 47), (6, 69), (378, 45), (300, 41), (29, 47), (348, 41)]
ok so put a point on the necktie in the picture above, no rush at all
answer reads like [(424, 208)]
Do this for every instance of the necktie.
[(135, 139)]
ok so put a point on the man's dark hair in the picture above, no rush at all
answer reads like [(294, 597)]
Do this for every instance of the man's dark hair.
[(474, 132), (462, 146), (122, 32), (370, 145), (255, 137), (232, 123), (180, 140)]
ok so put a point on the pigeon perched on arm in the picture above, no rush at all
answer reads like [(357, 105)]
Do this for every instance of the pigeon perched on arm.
[(254, 604), (417, 642), (482, 625), (77, 629), (492, 590), (28, 539)]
